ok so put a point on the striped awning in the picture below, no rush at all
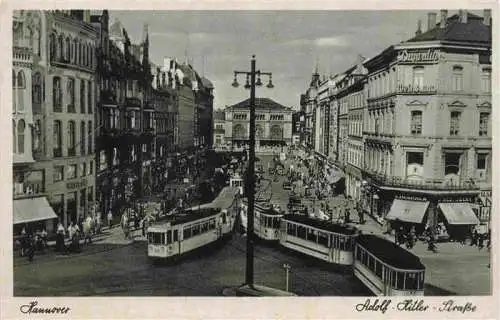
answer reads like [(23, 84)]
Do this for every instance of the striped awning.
[(408, 211), (32, 209), (459, 213)]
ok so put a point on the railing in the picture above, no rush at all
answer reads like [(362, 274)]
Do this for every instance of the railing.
[(424, 184), (21, 54)]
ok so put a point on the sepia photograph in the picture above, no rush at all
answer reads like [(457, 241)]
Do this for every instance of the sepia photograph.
[(239, 153)]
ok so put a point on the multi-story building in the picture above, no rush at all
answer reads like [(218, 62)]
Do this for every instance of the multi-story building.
[(219, 118), (298, 120), (273, 125), (427, 123), (309, 103), (54, 101), (126, 116), (31, 208)]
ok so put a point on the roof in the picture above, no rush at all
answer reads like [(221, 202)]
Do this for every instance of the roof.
[(260, 103), (389, 252), (186, 216), (116, 29), (472, 31), (225, 198), (206, 83), (320, 224), (219, 115)]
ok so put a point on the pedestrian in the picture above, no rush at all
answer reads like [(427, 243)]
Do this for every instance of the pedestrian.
[(60, 234), (480, 243), (87, 229), (110, 219), (475, 236)]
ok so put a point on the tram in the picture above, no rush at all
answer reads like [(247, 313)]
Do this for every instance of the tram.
[(386, 268), (266, 221), (323, 240), (193, 228)]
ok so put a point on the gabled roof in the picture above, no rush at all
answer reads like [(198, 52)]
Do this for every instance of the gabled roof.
[(116, 29), (472, 31), (260, 103)]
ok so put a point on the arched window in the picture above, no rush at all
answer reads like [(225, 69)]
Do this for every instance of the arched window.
[(37, 136), (82, 137), (60, 47), (21, 85), (14, 136), (53, 46), (82, 96), (57, 138), (80, 53), (74, 54), (37, 88), (90, 149), (71, 94), (20, 136), (89, 97), (67, 49), (84, 55), (457, 78), (71, 138), (57, 94)]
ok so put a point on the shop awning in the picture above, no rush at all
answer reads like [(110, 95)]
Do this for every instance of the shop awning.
[(32, 209), (459, 213), (407, 211)]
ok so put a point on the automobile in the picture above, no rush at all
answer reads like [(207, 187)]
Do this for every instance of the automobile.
[(287, 185)]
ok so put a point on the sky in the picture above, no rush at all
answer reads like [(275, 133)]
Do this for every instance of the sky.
[(289, 44)]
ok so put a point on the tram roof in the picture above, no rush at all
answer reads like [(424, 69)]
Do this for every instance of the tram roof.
[(390, 253), (320, 224), (189, 215)]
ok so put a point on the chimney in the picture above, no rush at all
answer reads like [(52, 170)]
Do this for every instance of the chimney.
[(487, 17), (431, 20), (444, 16), (463, 16), (419, 28)]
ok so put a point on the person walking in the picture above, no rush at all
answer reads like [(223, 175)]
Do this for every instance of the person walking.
[(110, 219)]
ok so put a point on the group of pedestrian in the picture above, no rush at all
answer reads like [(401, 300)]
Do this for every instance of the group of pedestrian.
[(479, 238), (30, 242)]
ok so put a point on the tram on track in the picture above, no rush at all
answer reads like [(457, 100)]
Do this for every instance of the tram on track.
[(266, 221), (323, 240), (193, 228), (386, 268)]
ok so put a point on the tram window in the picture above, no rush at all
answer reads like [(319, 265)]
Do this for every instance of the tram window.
[(401, 279), (162, 238), (224, 218), (150, 237), (301, 232), (169, 237), (276, 222), (393, 278), (323, 239), (311, 236), (195, 230), (203, 227), (342, 243), (411, 281), (212, 224), (176, 235), (186, 233), (420, 281)]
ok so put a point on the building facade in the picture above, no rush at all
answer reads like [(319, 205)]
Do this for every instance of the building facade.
[(126, 117), (427, 124), (219, 120), (54, 64), (273, 125)]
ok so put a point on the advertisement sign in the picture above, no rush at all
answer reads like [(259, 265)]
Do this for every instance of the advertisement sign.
[(427, 56)]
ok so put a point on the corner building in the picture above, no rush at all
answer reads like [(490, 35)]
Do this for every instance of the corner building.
[(427, 125)]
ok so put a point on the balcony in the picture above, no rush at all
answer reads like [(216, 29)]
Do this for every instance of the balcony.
[(425, 184), (133, 103), (22, 53)]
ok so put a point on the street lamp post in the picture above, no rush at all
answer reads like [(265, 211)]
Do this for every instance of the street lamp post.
[(287, 268), (250, 84)]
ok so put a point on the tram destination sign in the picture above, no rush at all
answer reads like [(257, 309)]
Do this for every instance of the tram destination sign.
[(421, 56)]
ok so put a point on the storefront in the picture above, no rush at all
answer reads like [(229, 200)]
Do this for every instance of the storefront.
[(33, 214)]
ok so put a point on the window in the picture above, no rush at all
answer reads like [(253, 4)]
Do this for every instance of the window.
[(452, 163), (240, 116), (481, 161), (89, 97), (58, 173), (83, 169), (21, 126), (486, 80), (57, 139), (89, 130), (72, 171), (91, 167), (82, 137), (71, 138), (53, 46), (457, 78), (90, 192), (37, 136), (484, 118), (57, 94), (14, 84), (418, 77), (455, 123), (82, 96), (67, 46), (37, 89), (416, 122), (71, 94)]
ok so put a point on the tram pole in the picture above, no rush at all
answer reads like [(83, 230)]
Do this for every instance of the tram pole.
[(250, 84)]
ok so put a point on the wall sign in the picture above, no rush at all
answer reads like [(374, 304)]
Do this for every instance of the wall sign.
[(428, 56), (415, 88), (77, 184)]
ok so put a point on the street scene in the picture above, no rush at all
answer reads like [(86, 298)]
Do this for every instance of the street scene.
[(154, 157)]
